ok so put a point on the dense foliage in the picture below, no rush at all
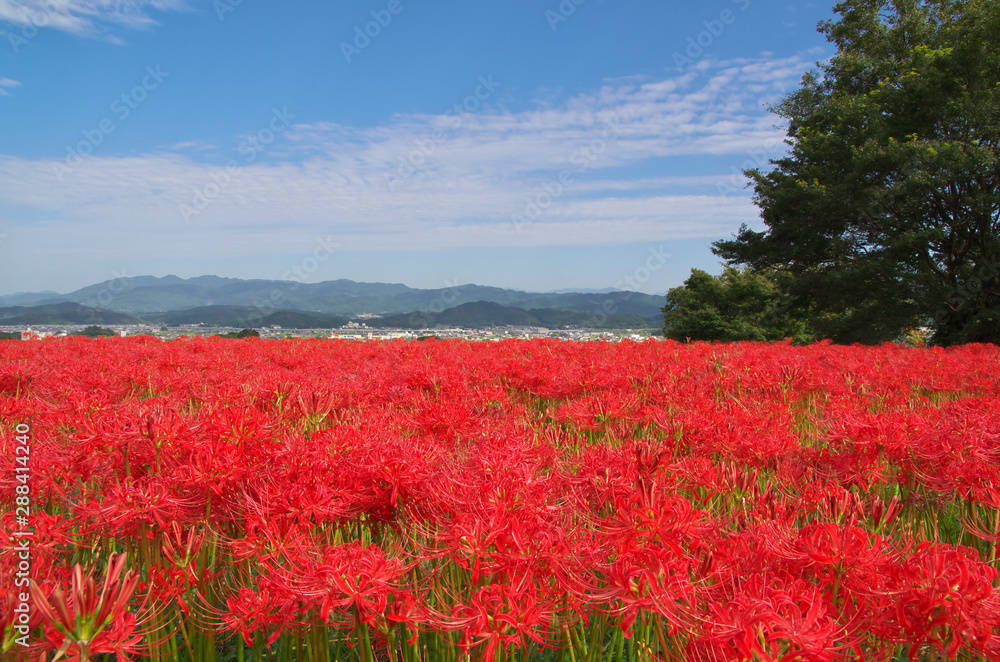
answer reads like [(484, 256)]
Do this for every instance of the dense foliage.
[(94, 331), (211, 499), (244, 333), (885, 216), (736, 305)]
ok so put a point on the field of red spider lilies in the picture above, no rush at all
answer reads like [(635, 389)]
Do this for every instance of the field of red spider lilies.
[(312, 500)]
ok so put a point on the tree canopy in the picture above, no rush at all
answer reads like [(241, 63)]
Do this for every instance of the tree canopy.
[(94, 331), (738, 305), (245, 333), (885, 214)]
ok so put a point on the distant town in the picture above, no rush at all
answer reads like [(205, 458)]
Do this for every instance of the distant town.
[(353, 331), (171, 307)]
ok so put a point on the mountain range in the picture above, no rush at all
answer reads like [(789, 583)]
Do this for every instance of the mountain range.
[(220, 301)]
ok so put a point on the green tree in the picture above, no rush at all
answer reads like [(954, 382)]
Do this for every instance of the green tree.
[(738, 305), (96, 332), (885, 214), (245, 333)]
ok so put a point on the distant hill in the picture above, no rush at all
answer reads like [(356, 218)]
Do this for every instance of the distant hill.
[(245, 316), (209, 315), (472, 315), (149, 294), (569, 290), (483, 314), (62, 313), (290, 319), (19, 298)]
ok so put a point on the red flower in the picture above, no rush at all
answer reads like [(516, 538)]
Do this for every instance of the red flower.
[(86, 622)]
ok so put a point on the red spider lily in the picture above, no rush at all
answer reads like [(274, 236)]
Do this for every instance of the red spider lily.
[(251, 612), (884, 514), (651, 579), (86, 622), (786, 621), (408, 609), (354, 576), (499, 615), (174, 581), (836, 554), (802, 622), (942, 595), (122, 637), (137, 505), (734, 630), (50, 535), (758, 500), (180, 549), (314, 405), (167, 585)]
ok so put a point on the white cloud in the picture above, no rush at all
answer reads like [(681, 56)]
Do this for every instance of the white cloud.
[(85, 17), (7, 82), (627, 146)]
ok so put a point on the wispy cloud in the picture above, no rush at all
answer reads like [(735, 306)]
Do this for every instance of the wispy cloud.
[(332, 179), (85, 17), (7, 83)]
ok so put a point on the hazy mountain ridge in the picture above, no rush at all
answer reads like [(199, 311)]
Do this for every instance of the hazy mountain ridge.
[(62, 313), (144, 295), (475, 315)]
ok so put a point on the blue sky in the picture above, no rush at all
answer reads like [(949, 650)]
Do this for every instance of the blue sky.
[(530, 144)]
